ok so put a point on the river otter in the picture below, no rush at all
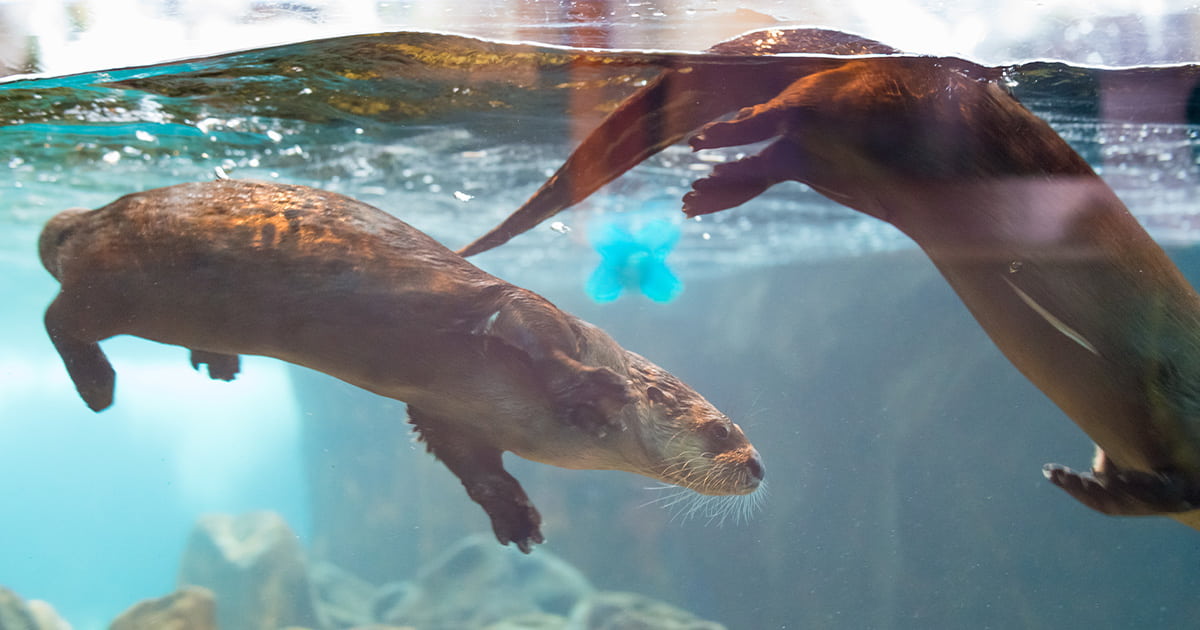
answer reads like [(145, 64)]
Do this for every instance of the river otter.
[(1052, 265), (321, 280), (1045, 256)]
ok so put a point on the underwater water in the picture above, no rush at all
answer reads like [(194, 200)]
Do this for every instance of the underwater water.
[(903, 453)]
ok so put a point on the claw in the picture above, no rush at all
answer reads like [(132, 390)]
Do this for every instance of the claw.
[(1127, 492)]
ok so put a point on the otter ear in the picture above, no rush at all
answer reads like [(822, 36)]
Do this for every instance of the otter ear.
[(657, 395)]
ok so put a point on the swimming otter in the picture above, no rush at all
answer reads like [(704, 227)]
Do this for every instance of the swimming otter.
[(1045, 256), (1052, 265), (321, 280)]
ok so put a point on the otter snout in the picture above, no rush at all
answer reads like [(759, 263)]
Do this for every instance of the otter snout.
[(754, 465), (752, 472)]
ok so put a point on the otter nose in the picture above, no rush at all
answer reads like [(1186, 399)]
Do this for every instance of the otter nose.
[(755, 466)]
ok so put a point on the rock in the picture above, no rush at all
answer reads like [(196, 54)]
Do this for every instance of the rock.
[(189, 608), (370, 626), (344, 600), (14, 613), (531, 621), (45, 616), (478, 583), (18, 614), (630, 611), (388, 597), (255, 567)]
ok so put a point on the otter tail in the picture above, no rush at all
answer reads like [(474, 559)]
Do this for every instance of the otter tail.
[(677, 102), (651, 120), (56, 232)]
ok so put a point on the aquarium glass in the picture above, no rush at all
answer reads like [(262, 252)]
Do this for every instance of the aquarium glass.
[(902, 451)]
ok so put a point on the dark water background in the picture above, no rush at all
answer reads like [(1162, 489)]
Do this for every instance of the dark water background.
[(903, 453)]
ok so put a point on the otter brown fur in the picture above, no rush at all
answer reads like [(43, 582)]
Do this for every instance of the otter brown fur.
[(321, 280), (1052, 265), (1042, 252)]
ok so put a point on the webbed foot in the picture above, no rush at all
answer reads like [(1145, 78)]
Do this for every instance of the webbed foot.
[(480, 468), (751, 124), (591, 399), (1127, 492), (514, 519), (222, 367), (734, 183)]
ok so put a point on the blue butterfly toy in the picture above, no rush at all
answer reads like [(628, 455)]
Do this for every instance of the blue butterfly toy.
[(633, 250)]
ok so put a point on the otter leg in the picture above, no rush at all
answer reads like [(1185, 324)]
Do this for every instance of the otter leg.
[(89, 369), (586, 397), (734, 183), (222, 367), (1117, 492), (480, 468)]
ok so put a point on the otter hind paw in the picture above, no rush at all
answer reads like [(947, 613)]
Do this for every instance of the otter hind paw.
[(515, 520), (480, 468), (222, 367), (1127, 492)]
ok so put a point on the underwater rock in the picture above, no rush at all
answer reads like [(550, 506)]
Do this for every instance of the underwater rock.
[(477, 583), (531, 621), (189, 608), (630, 611), (18, 614), (14, 613), (370, 626), (377, 626), (45, 616), (255, 567), (343, 599)]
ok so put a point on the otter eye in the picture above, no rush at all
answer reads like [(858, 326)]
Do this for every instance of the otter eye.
[(719, 431)]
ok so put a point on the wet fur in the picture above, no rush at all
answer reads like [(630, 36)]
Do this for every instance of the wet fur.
[(320, 280), (1054, 267), (1048, 260)]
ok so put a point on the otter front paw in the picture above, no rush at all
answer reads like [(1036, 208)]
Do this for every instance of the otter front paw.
[(1127, 492), (89, 369), (591, 399), (750, 125), (96, 388), (734, 183)]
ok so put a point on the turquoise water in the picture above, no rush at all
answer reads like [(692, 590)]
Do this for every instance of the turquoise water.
[(903, 452)]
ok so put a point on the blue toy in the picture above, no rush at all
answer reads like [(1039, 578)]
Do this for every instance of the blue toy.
[(633, 252)]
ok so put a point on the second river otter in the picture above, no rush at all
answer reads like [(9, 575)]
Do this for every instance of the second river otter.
[(1041, 251), (321, 280)]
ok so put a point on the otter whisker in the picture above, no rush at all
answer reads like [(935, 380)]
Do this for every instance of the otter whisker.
[(684, 505)]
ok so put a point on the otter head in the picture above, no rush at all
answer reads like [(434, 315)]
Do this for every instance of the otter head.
[(690, 443)]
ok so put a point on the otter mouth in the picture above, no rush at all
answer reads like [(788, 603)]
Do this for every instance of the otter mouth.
[(737, 472), (716, 492)]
